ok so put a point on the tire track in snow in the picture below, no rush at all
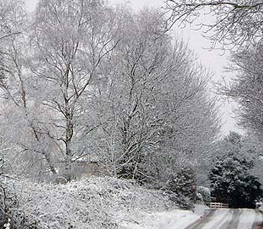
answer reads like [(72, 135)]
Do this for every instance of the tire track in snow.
[(202, 221), (234, 220), (221, 216), (229, 219), (247, 219)]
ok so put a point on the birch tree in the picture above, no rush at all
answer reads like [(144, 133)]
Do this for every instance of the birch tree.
[(71, 40)]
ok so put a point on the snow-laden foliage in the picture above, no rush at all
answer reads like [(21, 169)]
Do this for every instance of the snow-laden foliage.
[(182, 186), (232, 182), (11, 215), (205, 194), (86, 204), (231, 173), (247, 145)]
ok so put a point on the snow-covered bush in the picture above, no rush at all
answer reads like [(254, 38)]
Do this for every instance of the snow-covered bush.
[(182, 186), (205, 194), (11, 215), (199, 198), (3, 212), (90, 203)]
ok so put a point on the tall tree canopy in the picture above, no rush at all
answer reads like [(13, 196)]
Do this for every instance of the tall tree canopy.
[(232, 23), (87, 81), (246, 88), (156, 103)]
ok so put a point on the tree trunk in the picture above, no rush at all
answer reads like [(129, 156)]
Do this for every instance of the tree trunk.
[(51, 166), (69, 134)]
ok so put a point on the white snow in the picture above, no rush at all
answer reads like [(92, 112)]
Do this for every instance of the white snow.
[(179, 219), (219, 218), (111, 203), (247, 218), (175, 219), (90, 203)]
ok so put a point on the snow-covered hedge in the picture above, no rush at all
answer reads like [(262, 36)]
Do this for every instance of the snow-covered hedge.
[(94, 202), (205, 194)]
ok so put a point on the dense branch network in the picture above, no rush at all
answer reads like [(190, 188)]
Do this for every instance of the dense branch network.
[(230, 23)]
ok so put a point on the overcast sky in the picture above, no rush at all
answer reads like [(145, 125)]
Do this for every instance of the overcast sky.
[(214, 60)]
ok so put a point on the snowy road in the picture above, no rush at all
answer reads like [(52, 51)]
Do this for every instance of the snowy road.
[(185, 219), (229, 219)]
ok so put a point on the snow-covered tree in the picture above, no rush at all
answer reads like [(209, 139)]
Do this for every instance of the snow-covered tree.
[(69, 41), (246, 88), (231, 23), (205, 194), (17, 122), (85, 80), (183, 184), (154, 107), (233, 143), (232, 182)]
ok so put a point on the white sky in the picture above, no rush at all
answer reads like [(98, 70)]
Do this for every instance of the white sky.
[(214, 60)]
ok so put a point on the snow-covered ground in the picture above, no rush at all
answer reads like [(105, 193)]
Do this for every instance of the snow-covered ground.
[(108, 203), (180, 219), (247, 218), (218, 219), (91, 203), (175, 219), (232, 218)]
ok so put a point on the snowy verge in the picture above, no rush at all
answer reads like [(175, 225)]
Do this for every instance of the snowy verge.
[(175, 219), (91, 203)]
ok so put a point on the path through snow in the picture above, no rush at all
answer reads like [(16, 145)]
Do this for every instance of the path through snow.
[(215, 219)]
